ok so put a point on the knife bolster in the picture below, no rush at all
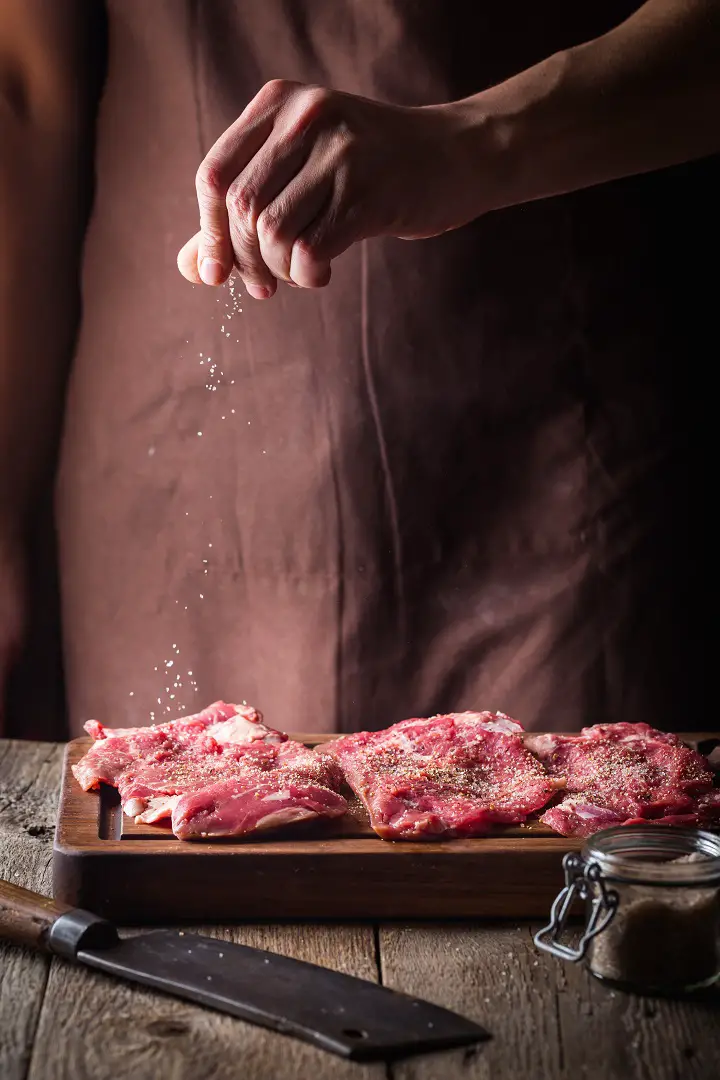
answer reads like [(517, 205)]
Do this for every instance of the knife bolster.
[(78, 929)]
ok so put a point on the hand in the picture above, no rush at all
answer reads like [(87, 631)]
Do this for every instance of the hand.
[(11, 611), (306, 172)]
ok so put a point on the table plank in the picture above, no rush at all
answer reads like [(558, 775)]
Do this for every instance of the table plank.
[(634, 1037), (548, 1019), (29, 780), (491, 974)]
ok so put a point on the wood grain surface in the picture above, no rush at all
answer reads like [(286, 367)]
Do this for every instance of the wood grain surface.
[(549, 1021)]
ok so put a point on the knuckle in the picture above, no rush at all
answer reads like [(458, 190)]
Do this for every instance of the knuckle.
[(209, 180), (244, 239), (270, 226), (240, 200), (308, 248), (311, 105), (315, 103), (318, 96), (274, 91)]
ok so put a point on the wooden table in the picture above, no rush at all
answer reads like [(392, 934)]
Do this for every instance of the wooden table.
[(549, 1020)]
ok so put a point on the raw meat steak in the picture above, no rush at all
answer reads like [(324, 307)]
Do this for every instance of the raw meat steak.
[(221, 772), (261, 786), (454, 775), (118, 749), (619, 774)]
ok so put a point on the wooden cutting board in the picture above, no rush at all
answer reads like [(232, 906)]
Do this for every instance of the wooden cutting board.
[(102, 861)]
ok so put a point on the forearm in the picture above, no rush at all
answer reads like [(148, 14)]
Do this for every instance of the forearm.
[(642, 97)]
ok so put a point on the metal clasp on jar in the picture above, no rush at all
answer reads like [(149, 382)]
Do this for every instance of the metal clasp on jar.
[(584, 881)]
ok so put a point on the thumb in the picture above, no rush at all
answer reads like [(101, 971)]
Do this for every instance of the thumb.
[(215, 253), (187, 260)]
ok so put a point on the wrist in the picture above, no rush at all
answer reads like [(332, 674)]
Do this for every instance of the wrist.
[(535, 135)]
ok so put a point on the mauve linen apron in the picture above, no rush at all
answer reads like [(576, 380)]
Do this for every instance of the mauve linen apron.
[(454, 479)]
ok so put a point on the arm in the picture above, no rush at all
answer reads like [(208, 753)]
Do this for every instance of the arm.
[(304, 172), (642, 97), (44, 127)]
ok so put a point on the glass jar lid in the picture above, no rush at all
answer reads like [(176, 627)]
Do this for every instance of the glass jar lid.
[(656, 855)]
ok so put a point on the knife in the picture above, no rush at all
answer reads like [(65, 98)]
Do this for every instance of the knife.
[(351, 1017)]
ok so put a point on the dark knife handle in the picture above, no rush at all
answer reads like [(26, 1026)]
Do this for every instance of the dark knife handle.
[(26, 918)]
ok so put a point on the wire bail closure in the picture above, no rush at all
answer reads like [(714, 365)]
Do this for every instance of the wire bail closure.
[(584, 881)]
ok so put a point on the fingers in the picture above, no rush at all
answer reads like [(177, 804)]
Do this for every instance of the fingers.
[(331, 233), (269, 174), (313, 219), (227, 158), (288, 216), (271, 178), (309, 268)]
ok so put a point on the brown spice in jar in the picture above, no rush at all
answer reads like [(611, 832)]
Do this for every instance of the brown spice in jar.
[(661, 938)]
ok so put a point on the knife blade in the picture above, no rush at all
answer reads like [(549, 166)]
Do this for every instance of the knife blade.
[(340, 1013)]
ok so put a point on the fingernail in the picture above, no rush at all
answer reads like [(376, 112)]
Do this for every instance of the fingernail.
[(212, 272), (258, 291)]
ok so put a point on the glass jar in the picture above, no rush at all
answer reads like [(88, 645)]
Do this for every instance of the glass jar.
[(652, 895)]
